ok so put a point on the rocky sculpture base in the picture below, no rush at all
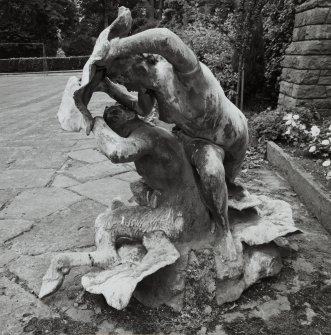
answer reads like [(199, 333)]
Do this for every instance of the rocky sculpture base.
[(168, 277)]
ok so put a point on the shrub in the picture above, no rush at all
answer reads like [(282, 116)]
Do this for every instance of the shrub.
[(213, 49), (37, 64), (268, 125)]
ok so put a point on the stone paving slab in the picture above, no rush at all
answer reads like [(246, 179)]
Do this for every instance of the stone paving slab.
[(64, 181), (55, 145), (129, 176), (89, 143), (72, 227), (22, 178), (7, 256), (13, 228), (7, 156), (37, 158), (18, 306), (97, 170), (6, 195), (104, 190), (31, 270), (38, 203), (88, 156)]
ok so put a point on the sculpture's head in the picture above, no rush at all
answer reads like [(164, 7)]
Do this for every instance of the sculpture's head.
[(119, 118), (135, 72), (68, 115)]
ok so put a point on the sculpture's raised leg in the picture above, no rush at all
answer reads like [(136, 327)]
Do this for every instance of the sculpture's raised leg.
[(104, 256), (62, 263), (208, 161), (137, 223)]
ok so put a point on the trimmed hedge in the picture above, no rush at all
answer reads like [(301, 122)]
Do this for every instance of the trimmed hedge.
[(37, 64)]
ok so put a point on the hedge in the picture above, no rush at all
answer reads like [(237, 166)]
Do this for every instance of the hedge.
[(37, 64)]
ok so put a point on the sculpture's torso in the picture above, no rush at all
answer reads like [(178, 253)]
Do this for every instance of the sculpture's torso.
[(167, 170), (197, 104)]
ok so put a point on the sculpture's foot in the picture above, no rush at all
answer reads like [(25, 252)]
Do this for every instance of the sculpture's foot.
[(226, 248), (51, 282), (62, 263), (228, 256), (88, 124), (121, 26)]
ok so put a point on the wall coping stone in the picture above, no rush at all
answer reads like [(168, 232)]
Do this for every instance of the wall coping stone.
[(309, 190), (312, 4)]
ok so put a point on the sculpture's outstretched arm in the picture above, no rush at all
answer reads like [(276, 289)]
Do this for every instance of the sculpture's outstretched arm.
[(160, 41), (94, 70), (143, 104), (119, 149)]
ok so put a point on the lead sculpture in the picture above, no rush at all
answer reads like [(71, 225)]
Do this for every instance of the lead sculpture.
[(187, 201)]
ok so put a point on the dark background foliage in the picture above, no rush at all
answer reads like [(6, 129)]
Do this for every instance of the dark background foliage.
[(35, 21)]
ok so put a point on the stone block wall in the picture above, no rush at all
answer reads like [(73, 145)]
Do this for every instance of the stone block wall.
[(306, 74)]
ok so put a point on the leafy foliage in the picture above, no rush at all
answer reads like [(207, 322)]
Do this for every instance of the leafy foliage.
[(213, 49), (206, 36)]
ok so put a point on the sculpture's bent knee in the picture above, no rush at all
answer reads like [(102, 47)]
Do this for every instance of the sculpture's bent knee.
[(209, 163)]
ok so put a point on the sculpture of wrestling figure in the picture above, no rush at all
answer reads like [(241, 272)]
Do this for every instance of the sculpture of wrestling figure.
[(187, 176), (161, 67)]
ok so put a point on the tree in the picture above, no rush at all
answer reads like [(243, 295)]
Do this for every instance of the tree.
[(35, 21)]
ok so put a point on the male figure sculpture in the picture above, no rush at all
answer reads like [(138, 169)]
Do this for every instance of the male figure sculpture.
[(212, 129), (169, 205)]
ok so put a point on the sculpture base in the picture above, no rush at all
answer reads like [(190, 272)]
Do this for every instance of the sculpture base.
[(194, 278), (200, 269)]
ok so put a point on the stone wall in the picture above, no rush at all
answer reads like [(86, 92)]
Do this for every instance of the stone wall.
[(306, 74)]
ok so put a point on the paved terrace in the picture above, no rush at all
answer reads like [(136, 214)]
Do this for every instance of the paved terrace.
[(53, 184)]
